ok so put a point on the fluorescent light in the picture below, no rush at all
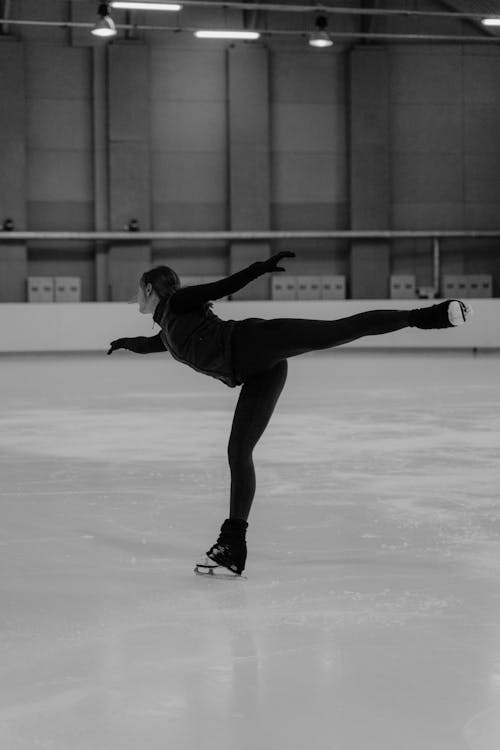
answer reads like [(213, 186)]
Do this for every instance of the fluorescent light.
[(144, 6), (491, 21), (227, 34)]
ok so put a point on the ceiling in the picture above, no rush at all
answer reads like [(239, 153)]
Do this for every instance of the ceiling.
[(485, 7), (279, 17)]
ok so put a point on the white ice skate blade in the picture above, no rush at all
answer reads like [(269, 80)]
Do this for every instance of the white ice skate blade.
[(458, 312), (211, 570)]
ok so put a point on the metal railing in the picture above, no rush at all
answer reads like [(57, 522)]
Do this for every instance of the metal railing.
[(131, 236)]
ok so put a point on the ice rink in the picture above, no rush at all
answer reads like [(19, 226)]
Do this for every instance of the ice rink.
[(370, 619)]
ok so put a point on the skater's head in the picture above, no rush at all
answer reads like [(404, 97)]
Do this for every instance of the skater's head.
[(155, 285)]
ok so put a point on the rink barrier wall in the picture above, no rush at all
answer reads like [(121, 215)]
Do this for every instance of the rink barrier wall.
[(89, 327)]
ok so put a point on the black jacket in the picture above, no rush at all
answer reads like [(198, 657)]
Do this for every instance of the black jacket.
[(192, 333)]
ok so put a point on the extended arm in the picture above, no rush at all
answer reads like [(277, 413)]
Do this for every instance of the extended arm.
[(139, 344), (193, 296)]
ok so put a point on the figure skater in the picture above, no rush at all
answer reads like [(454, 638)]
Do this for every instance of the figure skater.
[(252, 353)]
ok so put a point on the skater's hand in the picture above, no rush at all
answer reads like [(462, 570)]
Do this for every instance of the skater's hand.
[(271, 264), (118, 344)]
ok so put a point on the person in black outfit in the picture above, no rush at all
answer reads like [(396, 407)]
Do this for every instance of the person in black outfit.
[(252, 353)]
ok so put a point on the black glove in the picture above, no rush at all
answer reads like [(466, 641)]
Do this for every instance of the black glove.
[(271, 264), (139, 344), (120, 344)]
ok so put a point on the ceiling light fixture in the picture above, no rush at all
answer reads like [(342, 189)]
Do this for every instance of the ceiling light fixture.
[(125, 5), (491, 21), (320, 38), (105, 26), (227, 34)]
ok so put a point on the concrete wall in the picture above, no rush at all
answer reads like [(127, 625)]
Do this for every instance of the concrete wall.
[(147, 127), (188, 137), (445, 154)]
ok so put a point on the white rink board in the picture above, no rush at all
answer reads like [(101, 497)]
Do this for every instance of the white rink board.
[(91, 326)]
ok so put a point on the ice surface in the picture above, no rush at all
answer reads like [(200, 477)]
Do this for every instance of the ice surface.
[(370, 619)]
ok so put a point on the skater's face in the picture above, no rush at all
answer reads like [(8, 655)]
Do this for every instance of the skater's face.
[(147, 299)]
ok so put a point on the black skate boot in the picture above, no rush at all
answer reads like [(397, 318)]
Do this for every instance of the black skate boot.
[(444, 315), (227, 558)]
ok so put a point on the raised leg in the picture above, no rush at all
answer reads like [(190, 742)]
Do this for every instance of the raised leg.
[(260, 344)]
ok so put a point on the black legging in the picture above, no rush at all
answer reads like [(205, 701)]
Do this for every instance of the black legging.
[(260, 351)]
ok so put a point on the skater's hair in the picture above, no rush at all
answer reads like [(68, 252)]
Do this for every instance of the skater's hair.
[(163, 279), (165, 282)]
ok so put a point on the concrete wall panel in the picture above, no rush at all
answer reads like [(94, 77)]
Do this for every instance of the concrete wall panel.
[(430, 178), (57, 72), (128, 93), (481, 130), (12, 180), (299, 77), (315, 128), (174, 216), (426, 78), (188, 177), (302, 216), (482, 215), (422, 215), (188, 75), (59, 175), (482, 178), (427, 128), (481, 76), (188, 126), (12, 88), (55, 124), (129, 167), (60, 216), (309, 178)]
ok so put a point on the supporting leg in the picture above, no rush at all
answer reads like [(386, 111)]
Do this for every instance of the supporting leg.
[(258, 398)]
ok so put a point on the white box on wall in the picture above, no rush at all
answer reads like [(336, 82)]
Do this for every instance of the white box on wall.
[(40, 289), (454, 285), (308, 287), (283, 287), (68, 289), (480, 285), (333, 287), (403, 286)]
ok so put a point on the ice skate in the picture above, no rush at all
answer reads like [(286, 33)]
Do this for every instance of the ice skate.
[(459, 312), (448, 314), (210, 568), (226, 559)]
